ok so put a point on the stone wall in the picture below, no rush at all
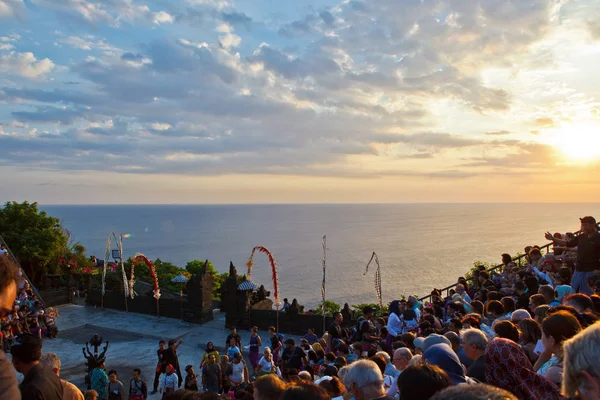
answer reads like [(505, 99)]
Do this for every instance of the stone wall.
[(291, 324), (169, 308), (195, 307), (55, 297)]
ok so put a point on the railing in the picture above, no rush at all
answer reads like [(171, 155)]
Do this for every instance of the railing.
[(514, 259), (24, 275)]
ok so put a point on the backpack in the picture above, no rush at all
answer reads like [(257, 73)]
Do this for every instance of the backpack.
[(281, 337), (357, 335)]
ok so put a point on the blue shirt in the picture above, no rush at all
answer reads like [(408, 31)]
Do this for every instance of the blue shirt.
[(311, 338)]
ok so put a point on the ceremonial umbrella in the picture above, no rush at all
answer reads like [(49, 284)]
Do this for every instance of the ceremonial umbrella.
[(247, 285), (182, 280)]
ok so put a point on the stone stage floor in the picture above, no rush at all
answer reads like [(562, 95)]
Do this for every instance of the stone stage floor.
[(133, 341)]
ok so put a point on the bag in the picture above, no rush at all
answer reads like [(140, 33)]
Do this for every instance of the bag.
[(357, 336), (281, 337)]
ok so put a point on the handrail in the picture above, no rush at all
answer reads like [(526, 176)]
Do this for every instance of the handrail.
[(517, 258), (24, 275)]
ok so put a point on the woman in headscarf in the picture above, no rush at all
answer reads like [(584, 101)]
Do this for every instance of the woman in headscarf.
[(563, 291), (210, 349), (507, 367), (444, 357), (394, 324), (169, 381)]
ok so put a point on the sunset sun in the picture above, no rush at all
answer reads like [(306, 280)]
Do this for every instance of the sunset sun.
[(579, 142)]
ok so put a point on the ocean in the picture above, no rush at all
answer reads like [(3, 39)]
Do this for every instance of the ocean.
[(420, 246)]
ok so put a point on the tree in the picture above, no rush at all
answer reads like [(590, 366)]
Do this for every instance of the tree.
[(36, 239), (195, 267), (330, 308)]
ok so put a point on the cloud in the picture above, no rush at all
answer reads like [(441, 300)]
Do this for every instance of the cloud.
[(111, 12), (11, 8), (48, 115), (594, 29), (544, 121), (25, 65), (236, 18), (88, 43), (162, 17), (358, 90), (418, 156), (432, 139)]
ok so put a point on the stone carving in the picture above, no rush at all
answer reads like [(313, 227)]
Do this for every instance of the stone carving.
[(93, 359)]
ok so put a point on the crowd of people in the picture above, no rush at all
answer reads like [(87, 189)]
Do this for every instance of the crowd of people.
[(528, 331), (27, 314)]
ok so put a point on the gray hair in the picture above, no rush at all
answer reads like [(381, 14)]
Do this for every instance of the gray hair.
[(474, 336), (415, 360), (582, 352), (403, 352), (50, 360), (363, 373), (305, 375), (385, 356)]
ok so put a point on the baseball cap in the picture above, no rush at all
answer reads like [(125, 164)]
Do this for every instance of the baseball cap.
[(418, 342), (588, 220)]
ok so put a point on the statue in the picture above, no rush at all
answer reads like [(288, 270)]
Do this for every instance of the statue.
[(347, 314), (93, 359), (294, 308)]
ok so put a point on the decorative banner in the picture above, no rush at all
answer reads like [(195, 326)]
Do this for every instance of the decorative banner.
[(274, 272), (120, 248), (377, 278), (132, 281), (324, 259), (150, 265), (106, 257)]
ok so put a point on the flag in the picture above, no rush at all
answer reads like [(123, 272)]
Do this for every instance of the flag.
[(324, 269), (377, 278)]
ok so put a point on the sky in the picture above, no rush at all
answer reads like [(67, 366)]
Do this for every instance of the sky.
[(299, 101)]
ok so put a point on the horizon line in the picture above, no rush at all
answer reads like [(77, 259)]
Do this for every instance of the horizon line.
[(300, 204)]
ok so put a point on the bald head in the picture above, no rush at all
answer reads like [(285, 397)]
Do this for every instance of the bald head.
[(402, 357)]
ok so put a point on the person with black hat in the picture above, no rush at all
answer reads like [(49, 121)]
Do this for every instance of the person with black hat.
[(171, 358), (293, 356), (588, 253), (40, 383), (9, 388)]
